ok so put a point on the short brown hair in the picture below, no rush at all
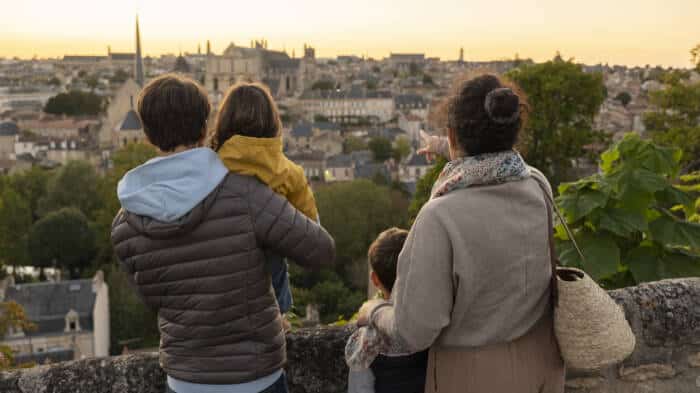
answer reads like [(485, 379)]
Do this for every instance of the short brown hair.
[(384, 253), (174, 111), (248, 109)]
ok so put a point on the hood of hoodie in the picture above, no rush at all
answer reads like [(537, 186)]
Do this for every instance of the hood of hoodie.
[(167, 188)]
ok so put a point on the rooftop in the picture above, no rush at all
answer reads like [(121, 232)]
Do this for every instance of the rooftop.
[(8, 128), (131, 122)]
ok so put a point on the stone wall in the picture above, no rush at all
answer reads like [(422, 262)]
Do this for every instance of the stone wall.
[(664, 315)]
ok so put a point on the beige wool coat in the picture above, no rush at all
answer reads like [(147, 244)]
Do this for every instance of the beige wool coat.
[(473, 285)]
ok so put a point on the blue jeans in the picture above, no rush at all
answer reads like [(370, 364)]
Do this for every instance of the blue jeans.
[(278, 387), (277, 267)]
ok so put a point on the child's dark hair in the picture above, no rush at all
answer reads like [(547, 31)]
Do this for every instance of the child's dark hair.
[(384, 253), (173, 110), (249, 110), (486, 115)]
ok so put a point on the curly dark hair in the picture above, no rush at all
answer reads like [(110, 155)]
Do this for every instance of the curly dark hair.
[(486, 115)]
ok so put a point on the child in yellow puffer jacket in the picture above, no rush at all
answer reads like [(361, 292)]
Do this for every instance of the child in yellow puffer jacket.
[(248, 140)]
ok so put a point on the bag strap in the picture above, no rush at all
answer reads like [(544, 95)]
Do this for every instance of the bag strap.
[(552, 207)]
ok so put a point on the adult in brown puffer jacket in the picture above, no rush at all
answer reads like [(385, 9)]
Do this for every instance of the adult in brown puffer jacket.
[(192, 239)]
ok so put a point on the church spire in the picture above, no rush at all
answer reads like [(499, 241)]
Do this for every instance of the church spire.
[(138, 72)]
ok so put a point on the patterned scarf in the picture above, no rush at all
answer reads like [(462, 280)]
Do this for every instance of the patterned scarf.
[(483, 169)]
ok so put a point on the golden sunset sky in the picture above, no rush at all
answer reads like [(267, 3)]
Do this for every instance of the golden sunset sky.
[(632, 32)]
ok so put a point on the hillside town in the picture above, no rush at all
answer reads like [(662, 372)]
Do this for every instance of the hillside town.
[(331, 107)]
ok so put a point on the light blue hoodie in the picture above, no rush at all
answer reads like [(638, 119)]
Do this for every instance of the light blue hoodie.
[(167, 188)]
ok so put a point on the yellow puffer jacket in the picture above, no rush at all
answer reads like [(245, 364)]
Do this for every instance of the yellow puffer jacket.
[(264, 159)]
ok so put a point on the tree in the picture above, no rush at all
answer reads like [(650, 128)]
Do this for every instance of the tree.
[(424, 187), (63, 237), (630, 219), (623, 98), (674, 119), (428, 80), (31, 185), (129, 157), (353, 143), (75, 103), (381, 148), (564, 101), (54, 81), (401, 149), (92, 82), (76, 184), (695, 57), (130, 319), (15, 222), (119, 77), (12, 316)]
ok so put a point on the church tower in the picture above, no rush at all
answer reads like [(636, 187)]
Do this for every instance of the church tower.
[(461, 55), (138, 71)]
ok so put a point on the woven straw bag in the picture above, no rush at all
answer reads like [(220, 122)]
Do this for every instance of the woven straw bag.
[(590, 327)]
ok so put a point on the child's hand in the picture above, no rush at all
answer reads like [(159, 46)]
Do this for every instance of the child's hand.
[(364, 313)]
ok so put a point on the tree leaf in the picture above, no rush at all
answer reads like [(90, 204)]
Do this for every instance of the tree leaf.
[(673, 196), (643, 262), (680, 264), (622, 222), (608, 159), (602, 255), (671, 231), (577, 205)]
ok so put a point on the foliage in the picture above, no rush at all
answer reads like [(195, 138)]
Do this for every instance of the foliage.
[(629, 219), (424, 187), (12, 316), (31, 186), (691, 183), (353, 143), (428, 80), (120, 76), (129, 157), (63, 236), (130, 319), (75, 103), (15, 221), (623, 98), (564, 101), (320, 119), (381, 149), (354, 213), (674, 120), (74, 185), (695, 57), (401, 149)]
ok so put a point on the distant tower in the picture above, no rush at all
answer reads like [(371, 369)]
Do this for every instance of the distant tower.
[(208, 48), (109, 50), (199, 49), (138, 72), (461, 55), (309, 52)]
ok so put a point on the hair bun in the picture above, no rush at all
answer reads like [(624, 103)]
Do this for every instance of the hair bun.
[(502, 106)]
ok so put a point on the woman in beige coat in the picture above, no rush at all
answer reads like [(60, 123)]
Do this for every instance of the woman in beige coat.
[(474, 277)]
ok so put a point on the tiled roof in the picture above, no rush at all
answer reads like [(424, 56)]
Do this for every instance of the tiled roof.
[(131, 122), (301, 130), (8, 128), (47, 303)]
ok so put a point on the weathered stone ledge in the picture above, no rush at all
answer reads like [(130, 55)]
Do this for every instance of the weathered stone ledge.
[(665, 317)]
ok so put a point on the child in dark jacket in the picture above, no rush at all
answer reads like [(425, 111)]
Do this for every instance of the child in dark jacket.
[(376, 364)]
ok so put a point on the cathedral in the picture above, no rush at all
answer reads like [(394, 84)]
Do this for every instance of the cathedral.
[(284, 75)]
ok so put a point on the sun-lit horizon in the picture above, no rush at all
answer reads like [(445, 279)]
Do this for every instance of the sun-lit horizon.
[(634, 33)]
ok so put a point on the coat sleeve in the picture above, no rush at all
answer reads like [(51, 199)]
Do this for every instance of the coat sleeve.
[(423, 293), (301, 195), (285, 230)]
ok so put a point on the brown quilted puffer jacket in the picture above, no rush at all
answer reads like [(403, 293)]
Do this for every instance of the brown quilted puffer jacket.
[(205, 277)]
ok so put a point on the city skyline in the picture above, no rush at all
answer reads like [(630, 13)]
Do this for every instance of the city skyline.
[(628, 32)]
